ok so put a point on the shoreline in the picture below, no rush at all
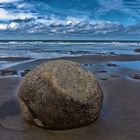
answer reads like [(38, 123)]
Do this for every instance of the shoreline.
[(101, 58), (121, 57), (27, 61), (89, 40)]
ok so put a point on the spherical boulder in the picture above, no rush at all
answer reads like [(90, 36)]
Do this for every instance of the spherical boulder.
[(60, 94)]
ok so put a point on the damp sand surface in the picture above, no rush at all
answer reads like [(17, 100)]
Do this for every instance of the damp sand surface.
[(120, 115)]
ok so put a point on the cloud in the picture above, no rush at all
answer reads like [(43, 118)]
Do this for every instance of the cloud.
[(126, 12), (45, 17), (7, 15), (3, 26), (8, 1), (69, 25)]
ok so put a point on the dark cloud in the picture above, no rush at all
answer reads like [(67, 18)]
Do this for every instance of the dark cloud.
[(69, 26)]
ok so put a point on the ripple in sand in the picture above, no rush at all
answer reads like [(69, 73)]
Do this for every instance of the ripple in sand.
[(10, 117), (9, 108)]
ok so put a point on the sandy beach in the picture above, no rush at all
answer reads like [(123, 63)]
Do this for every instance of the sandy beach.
[(120, 115), (103, 36)]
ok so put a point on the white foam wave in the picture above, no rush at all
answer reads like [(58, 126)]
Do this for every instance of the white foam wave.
[(66, 43)]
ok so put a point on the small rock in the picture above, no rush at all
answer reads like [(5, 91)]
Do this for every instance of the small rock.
[(25, 72), (86, 64), (104, 79), (137, 50), (112, 53), (7, 72), (102, 71), (111, 65), (136, 76)]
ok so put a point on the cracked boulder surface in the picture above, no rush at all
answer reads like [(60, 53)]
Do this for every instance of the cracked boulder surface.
[(60, 94)]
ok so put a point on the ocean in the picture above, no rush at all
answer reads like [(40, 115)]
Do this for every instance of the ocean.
[(53, 49)]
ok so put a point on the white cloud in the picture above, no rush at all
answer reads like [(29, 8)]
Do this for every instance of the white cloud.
[(68, 25), (3, 26), (13, 25), (36, 26), (6, 15), (8, 1)]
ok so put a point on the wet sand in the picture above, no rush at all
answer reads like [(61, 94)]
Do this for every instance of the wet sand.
[(120, 116), (14, 58), (85, 59)]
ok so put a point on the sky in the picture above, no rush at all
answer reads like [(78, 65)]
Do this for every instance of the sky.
[(69, 19)]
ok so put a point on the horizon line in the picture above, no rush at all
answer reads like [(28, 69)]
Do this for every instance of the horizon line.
[(71, 40)]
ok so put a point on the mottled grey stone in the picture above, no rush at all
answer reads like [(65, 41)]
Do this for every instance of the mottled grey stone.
[(60, 94)]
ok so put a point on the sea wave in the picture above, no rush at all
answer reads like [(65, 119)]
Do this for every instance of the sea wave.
[(67, 43)]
